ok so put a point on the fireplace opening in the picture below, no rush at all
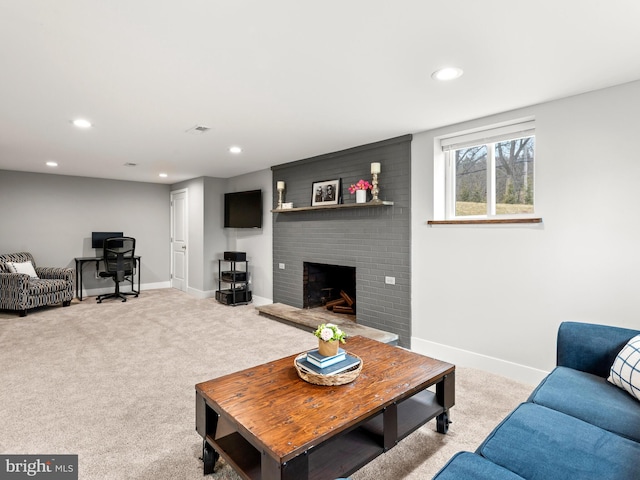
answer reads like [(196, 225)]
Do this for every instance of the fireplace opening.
[(329, 286)]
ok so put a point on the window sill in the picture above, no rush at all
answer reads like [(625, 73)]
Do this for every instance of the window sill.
[(485, 221)]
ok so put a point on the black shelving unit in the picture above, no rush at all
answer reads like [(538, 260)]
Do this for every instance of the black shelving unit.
[(236, 279)]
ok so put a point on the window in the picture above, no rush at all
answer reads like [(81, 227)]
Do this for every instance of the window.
[(490, 173)]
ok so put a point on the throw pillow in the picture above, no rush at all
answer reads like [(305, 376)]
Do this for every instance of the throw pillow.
[(24, 267), (625, 371)]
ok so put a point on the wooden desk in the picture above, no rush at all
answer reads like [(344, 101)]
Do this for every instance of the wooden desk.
[(80, 261), (269, 424)]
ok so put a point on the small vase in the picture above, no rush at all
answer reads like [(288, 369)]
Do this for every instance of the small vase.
[(328, 349), (361, 196)]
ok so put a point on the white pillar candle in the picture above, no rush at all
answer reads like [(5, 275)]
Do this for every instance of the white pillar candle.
[(375, 167), (280, 185)]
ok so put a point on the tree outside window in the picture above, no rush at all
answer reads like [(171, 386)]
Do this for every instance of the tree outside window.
[(494, 178)]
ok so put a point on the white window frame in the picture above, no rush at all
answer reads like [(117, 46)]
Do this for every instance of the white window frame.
[(445, 207)]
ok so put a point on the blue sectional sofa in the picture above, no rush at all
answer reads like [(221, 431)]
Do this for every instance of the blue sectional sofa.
[(575, 425)]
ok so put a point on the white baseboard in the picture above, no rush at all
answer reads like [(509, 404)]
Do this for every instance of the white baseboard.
[(465, 358), (154, 286), (201, 293), (259, 301), (255, 299), (125, 288)]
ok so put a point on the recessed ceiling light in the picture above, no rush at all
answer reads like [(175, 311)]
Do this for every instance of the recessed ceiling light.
[(447, 73), (52, 164), (82, 123), (235, 149), (163, 175)]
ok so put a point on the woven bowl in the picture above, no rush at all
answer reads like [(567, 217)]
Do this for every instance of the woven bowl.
[(341, 378)]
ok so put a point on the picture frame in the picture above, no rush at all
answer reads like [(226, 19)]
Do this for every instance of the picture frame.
[(326, 192)]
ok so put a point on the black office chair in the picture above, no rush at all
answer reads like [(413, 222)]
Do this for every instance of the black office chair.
[(119, 264)]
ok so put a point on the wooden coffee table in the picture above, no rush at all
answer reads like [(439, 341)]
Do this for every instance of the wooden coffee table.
[(269, 424)]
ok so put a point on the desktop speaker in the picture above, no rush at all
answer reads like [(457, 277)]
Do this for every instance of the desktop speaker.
[(235, 256)]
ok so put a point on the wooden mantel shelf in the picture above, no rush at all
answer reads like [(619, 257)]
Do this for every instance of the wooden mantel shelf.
[(379, 203)]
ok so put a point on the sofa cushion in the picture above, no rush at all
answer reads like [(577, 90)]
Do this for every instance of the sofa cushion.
[(22, 267), (625, 371), (589, 347), (590, 398), (540, 443), (466, 465), (39, 286)]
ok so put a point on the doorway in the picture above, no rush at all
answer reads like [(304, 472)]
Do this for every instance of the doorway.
[(179, 229)]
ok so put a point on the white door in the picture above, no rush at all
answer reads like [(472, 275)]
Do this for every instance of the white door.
[(179, 229)]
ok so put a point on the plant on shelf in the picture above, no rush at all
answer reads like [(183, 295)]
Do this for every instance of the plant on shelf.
[(361, 185), (329, 338), (360, 190)]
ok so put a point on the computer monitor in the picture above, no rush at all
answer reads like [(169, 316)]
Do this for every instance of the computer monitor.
[(98, 238)]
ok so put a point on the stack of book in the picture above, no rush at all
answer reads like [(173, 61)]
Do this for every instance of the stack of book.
[(320, 364)]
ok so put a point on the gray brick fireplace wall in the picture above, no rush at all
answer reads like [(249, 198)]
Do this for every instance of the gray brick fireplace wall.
[(376, 241)]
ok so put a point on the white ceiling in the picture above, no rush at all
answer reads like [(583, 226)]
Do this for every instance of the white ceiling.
[(283, 79)]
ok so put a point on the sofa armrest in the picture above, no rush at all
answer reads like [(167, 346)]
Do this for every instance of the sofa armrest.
[(68, 274), (589, 347), (14, 281)]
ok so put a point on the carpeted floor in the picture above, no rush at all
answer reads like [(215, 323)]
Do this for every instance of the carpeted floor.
[(114, 383)]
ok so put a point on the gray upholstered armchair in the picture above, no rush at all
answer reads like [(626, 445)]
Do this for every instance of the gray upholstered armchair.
[(21, 292)]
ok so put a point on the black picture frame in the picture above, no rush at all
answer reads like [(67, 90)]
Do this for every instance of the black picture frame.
[(326, 192)]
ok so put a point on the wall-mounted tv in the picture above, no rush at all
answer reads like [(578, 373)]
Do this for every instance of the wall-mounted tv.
[(243, 209), (98, 238)]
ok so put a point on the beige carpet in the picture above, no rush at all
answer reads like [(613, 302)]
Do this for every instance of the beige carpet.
[(114, 383)]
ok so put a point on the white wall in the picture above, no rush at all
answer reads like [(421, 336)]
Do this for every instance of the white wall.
[(215, 240), (258, 243), (52, 216), (195, 234), (493, 296), (208, 240)]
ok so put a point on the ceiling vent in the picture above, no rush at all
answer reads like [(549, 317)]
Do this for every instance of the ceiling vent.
[(198, 129), (129, 164)]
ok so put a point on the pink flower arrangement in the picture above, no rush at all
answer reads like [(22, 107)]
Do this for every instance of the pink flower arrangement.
[(361, 185)]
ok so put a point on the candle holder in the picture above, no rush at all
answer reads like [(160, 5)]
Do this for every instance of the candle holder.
[(375, 190), (280, 194), (375, 171)]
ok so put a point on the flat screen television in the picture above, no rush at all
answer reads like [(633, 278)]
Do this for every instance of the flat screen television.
[(243, 209), (98, 238)]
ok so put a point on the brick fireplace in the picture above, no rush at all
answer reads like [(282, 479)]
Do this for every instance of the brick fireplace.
[(372, 241)]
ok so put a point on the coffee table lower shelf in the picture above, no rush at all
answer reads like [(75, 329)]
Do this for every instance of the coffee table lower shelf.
[(340, 455), (238, 453)]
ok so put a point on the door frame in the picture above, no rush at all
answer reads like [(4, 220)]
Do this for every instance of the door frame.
[(186, 234)]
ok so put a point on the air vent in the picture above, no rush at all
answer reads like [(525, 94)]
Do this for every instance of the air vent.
[(198, 129), (129, 164)]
